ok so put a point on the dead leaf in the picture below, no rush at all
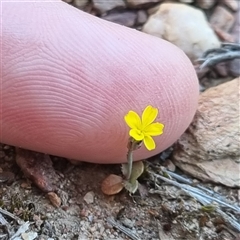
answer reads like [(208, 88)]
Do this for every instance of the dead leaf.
[(111, 185)]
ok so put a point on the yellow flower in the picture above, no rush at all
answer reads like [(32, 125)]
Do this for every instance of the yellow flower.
[(143, 129)]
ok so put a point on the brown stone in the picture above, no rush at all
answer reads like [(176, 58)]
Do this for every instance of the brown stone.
[(205, 4), (54, 199), (224, 36), (209, 149), (222, 19), (221, 69)]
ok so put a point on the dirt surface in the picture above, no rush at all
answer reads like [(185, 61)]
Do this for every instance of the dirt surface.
[(162, 212)]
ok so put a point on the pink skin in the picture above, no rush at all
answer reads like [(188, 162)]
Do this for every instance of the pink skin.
[(68, 79)]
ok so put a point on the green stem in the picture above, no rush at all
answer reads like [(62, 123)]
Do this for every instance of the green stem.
[(129, 165), (132, 146)]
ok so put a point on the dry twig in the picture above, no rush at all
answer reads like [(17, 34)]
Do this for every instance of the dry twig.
[(228, 51)]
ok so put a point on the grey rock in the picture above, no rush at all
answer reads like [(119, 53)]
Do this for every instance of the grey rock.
[(126, 18), (141, 17), (234, 66), (104, 6)]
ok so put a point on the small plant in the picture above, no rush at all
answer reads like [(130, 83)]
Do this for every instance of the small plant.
[(142, 130)]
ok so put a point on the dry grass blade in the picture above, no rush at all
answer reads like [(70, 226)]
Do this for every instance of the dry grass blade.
[(3, 221), (4, 212), (228, 51), (22, 229), (204, 198), (123, 229)]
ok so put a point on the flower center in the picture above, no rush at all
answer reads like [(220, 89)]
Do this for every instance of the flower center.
[(139, 132)]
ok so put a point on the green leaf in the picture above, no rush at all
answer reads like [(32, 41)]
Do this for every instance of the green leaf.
[(137, 169), (131, 186)]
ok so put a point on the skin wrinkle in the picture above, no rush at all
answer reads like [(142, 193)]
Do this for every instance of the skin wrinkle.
[(73, 86), (174, 112), (64, 93), (60, 112), (50, 113), (56, 48)]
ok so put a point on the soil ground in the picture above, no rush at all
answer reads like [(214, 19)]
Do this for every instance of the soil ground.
[(152, 213)]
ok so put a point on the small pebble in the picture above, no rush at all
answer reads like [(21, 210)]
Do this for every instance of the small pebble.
[(54, 199), (29, 236), (127, 222), (90, 218), (89, 197)]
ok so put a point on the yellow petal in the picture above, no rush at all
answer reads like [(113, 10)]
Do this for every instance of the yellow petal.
[(154, 129), (149, 115), (136, 134), (149, 142), (133, 120)]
